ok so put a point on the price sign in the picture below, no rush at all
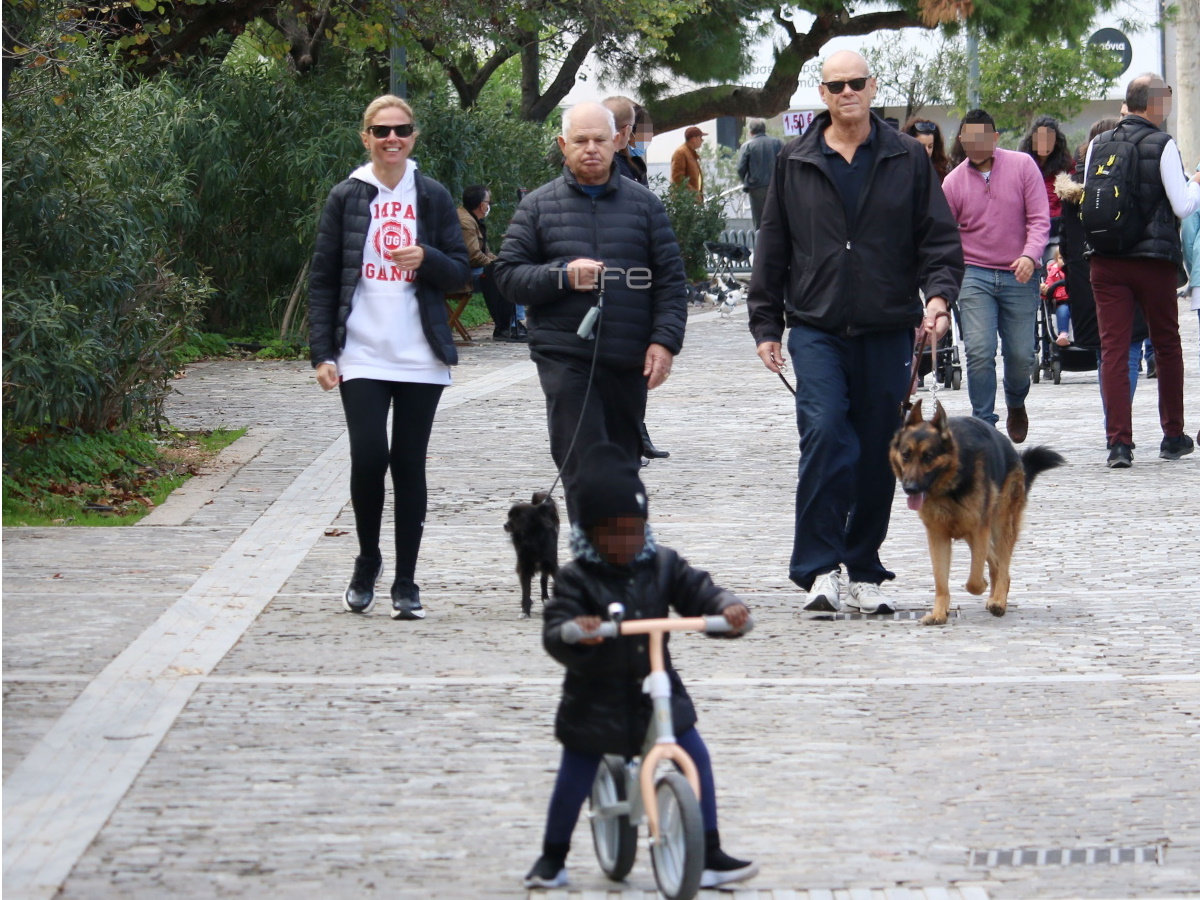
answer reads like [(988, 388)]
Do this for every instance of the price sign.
[(797, 122)]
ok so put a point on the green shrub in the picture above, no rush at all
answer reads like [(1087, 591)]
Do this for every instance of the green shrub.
[(694, 221), (94, 303)]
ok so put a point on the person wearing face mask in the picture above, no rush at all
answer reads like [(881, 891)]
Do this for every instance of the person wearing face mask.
[(477, 203), (626, 114), (643, 134), (999, 200)]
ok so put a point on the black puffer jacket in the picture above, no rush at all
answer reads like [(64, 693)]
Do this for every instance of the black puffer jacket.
[(603, 709), (338, 258), (845, 282), (627, 228)]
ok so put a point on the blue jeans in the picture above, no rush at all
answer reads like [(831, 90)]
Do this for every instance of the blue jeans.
[(848, 395), (993, 304), (1062, 318)]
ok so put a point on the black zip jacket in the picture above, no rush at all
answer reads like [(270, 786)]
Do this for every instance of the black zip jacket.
[(627, 228), (808, 265), (603, 709), (338, 257)]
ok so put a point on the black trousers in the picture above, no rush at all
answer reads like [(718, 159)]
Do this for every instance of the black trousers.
[(366, 402), (614, 412), (503, 313)]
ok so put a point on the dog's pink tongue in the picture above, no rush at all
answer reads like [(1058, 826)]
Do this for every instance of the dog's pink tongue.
[(916, 500)]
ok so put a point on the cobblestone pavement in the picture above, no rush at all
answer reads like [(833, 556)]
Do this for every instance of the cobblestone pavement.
[(189, 713)]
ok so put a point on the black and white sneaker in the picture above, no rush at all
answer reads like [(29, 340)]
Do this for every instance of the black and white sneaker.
[(721, 868), (406, 600), (547, 873), (359, 596)]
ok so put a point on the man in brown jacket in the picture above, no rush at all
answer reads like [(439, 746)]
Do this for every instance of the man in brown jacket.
[(477, 203), (685, 162)]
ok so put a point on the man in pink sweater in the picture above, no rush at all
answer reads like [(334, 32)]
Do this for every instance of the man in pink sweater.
[(999, 200)]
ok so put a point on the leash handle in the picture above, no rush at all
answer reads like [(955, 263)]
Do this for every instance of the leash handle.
[(923, 338)]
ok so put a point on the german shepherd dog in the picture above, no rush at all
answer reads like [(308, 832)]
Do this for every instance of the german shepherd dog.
[(967, 481), (533, 528)]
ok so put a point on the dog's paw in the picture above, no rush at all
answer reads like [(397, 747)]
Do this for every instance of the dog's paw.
[(933, 619), (976, 587), (996, 607)]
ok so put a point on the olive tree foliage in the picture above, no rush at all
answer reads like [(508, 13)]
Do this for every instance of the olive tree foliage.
[(1021, 80), (911, 80)]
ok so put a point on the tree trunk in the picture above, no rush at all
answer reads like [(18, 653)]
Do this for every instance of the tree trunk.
[(305, 37), (1187, 88)]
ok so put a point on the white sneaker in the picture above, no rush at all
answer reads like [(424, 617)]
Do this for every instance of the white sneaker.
[(826, 593), (868, 598)]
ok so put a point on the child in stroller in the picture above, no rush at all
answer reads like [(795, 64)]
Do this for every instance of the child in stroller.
[(1054, 291)]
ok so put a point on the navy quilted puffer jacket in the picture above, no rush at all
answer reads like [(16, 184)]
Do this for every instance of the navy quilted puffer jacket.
[(627, 228)]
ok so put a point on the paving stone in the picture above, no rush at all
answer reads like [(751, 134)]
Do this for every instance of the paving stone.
[(333, 755)]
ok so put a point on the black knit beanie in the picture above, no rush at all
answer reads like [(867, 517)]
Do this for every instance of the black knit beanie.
[(608, 486)]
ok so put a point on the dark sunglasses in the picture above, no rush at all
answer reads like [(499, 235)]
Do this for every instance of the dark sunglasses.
[(836, 87), (925, 127), (382, 131)]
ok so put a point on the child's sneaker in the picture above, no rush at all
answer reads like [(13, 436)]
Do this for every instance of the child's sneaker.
[(547, 873), (721, 868)]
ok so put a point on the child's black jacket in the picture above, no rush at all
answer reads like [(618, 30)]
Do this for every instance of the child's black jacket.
[(603, 709)]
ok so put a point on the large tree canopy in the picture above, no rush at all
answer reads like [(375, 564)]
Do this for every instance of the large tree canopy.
[(657, 46)]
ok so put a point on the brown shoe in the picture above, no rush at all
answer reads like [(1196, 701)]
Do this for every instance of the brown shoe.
[(1018, 424)]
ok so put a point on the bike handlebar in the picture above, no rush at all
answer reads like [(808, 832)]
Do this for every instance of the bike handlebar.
[(571, 633)]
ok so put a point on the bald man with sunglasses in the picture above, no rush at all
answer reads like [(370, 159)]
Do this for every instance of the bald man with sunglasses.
[(855, 229)]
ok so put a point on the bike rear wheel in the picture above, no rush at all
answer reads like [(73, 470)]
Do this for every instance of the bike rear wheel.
[(614, 836), (678, 854)]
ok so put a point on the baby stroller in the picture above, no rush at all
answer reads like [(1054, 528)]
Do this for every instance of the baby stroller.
[(1080, 355), (943, 360)]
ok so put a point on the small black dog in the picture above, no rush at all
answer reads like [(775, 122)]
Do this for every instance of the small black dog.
[(533, 528)]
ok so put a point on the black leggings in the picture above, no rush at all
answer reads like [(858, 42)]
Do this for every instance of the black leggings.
[(366, 402)]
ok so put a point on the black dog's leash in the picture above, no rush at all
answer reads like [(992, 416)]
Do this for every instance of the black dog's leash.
[(590, 326)]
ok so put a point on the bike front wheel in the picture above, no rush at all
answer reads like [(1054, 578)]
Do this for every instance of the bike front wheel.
[(678, 854), (614, 836)]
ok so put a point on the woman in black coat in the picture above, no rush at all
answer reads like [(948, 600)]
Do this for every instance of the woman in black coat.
[(389, 248)]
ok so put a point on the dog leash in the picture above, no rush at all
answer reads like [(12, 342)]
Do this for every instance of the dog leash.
[(591, 325), (922, 341)]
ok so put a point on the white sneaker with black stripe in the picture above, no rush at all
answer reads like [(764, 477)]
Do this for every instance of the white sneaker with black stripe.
[(868, 598), (826, 593)]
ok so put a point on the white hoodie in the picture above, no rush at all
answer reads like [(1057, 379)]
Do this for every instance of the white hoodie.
[(384, 338)]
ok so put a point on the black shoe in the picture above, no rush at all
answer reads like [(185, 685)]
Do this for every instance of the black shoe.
[(359, 596), (518, 334), (504, 335), (406, 600), (1151, 368), (1175, 447), (547, 873), (648, 449), (720, 867), (1120, 456)]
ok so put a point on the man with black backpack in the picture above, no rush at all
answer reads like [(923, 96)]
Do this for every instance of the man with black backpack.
[(1135, 193)]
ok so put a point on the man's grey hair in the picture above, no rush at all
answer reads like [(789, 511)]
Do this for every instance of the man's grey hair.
[(757, 126), (566, 121)]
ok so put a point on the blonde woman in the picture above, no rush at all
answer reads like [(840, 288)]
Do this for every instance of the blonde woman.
[(389, 247)]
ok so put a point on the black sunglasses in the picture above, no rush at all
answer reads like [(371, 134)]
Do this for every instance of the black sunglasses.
[(925, 127), (836, 87), (382, 131)]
